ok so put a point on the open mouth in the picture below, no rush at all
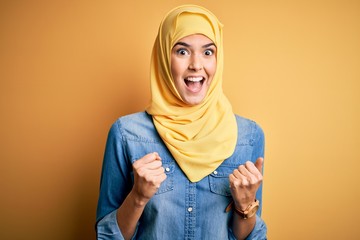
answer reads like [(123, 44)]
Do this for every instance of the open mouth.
[(194, 83)]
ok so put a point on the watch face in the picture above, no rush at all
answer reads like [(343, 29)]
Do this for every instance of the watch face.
[(250, 211), (253, 210)]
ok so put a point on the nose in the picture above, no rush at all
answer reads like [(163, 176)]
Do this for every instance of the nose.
[(195, 63)]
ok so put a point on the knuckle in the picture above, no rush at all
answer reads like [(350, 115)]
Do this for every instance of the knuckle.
[(245, 183), (259, 177), (236, 183), (153, 182), (253, 181), (164, 177), (148, 178), (140, 172), (136, 165)]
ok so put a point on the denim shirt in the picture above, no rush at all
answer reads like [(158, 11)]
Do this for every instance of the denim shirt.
[(180, 209)]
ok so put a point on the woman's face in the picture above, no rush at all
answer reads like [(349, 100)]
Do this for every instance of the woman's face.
[(193, 66)]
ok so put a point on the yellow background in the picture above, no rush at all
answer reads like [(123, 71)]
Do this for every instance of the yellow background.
[(68, 69)]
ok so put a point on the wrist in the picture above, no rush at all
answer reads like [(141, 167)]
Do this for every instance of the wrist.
[(244, 203), (137, 200), (248, 212), (241, 206)]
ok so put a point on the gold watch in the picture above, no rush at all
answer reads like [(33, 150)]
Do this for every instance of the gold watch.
[(249, 211)]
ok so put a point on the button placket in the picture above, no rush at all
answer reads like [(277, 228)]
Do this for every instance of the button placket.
[(190, 203)]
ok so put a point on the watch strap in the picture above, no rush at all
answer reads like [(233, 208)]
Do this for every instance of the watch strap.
[(248, 212)]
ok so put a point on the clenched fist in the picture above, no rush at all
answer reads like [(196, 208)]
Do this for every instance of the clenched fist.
[(244, 182), (148, 175)]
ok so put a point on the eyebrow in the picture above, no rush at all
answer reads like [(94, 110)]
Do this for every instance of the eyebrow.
[(187, 45)]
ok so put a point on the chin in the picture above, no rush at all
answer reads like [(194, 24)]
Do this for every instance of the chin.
[(193, 102)]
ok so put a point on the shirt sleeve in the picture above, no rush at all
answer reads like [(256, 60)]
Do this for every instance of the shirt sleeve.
[(258, 233), (115, 184), (108, 229), (258, 151), (260, 230)]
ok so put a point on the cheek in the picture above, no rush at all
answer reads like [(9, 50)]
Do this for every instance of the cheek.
[(174, 67), (177, 69), (211, 68), (176, 74)]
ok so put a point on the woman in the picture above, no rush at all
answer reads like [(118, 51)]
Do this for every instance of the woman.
[(187, 168)]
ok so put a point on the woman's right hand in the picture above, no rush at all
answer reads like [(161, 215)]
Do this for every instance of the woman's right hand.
[(148, 175)]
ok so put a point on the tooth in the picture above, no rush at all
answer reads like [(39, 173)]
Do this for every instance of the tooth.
[(194, 79)]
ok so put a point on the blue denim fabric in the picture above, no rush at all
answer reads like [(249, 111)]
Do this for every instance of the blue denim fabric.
[(180, 209)]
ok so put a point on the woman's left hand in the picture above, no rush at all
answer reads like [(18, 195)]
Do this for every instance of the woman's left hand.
[(244, 182)]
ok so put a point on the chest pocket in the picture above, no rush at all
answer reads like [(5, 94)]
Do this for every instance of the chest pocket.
[(219, 180), (168, 183)]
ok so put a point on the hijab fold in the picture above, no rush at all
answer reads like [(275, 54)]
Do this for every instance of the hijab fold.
[(202, 136)]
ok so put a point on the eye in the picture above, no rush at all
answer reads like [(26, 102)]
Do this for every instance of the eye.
[(182, 51), (209, 52)]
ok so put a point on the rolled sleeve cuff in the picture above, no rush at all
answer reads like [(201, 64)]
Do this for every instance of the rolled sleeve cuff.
[(258, 233), (108, 228)]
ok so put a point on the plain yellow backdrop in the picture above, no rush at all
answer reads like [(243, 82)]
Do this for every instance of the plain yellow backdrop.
[(68, 69)]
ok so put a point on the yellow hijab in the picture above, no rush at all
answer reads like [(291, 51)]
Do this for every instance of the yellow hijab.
[(199, 137)]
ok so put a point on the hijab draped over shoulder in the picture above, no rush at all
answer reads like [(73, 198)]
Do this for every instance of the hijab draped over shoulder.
[(202, 136)]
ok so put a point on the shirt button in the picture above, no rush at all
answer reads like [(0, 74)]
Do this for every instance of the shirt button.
[(167, 169), (215, 172), (190, 209)]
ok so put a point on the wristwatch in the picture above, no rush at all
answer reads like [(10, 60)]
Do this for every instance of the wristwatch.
[(249, 211)]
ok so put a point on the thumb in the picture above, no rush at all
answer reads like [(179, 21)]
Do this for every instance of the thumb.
[(259, 164)]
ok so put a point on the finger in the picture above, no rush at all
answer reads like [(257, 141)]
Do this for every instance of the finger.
[(153, 156), (244, 170), (241, 172), (161, 178), (157, 180), (237, 173), (153, 165), (250, 172), (250, 166), (259, 164), (149, 174), (157, 172), (242, 180), (232, 178), (255, 174), (148, 158), (234, 181), (157, 156)]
